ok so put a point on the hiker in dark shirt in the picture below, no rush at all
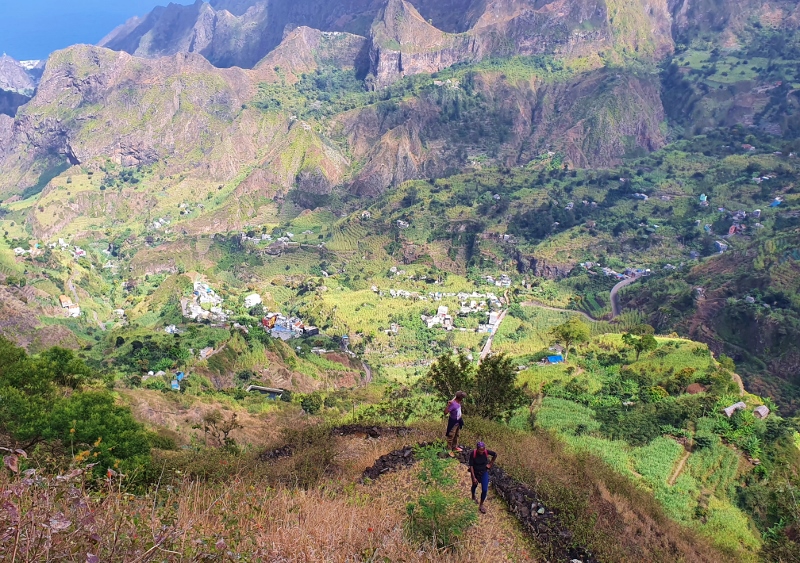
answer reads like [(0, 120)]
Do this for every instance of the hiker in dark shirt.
[(479, 466)]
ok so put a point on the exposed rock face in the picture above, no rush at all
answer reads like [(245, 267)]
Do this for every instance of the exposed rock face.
[(17, 85), (304, 49), (147, 110), (594, 120), (15, 78), (541, 268), (235, 32), (406, 36), (403, 43)]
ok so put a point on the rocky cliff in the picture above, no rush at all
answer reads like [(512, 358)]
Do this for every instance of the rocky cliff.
[(406, 36), (184, 104), (235, 32), (16, 78)]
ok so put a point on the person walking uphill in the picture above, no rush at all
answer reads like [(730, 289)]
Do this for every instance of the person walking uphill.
[(479, 466), (454, 421)]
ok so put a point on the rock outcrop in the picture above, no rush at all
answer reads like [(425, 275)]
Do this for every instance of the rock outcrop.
[(594, 120), (16, 78), (235, 32), (406, 36), (542, 268), (146, 110)]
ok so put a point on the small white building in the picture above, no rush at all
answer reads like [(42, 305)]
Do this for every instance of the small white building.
[(740, 406), (252, 300), (761, 412)]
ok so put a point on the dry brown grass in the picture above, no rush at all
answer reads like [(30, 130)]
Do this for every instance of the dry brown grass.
[(309, 507), (244, 517), (178, 415)]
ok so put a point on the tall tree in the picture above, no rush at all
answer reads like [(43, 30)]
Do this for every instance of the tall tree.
[(640, 344), (450, 374), (496, 395), (571, 332)]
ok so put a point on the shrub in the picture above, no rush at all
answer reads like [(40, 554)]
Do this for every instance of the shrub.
[(312, 403), (438, 516), (314, 453)]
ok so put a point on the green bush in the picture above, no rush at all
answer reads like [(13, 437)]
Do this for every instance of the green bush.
[(438, 516), (312, 403)]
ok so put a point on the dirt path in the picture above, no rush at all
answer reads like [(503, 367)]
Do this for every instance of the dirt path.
[(71, 287), (542, 525), (678, 469), (99, 324), (367, 372), (571, 311), (615, 308), (738, 379)]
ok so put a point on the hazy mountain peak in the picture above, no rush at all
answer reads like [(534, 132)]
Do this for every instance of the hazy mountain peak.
[(16, 77)]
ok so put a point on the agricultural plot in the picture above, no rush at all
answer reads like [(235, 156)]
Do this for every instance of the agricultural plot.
[(656, 461), (520, 337), (296, 261), (345, 237), (654, 464), (594, 305), (716, 468)]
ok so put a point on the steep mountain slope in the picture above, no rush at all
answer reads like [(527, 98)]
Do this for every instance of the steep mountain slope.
[(184, 116), (234, 33), (406, 37), (14, 77), (17, 84)]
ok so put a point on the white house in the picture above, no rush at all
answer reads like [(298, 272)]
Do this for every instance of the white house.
[(733, 408), (252, 300)]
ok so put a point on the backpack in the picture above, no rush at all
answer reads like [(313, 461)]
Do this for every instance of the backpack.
[(472, 455)]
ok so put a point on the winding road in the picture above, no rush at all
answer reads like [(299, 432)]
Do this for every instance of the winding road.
[(615, 308)]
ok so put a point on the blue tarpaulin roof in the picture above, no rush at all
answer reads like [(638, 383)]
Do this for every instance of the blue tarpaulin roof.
[(179, 376), (175, 385), (555, 359)]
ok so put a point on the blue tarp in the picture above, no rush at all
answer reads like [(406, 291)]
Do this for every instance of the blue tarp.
[(555, 359), (775, 203), (175, 385), (179, 376)]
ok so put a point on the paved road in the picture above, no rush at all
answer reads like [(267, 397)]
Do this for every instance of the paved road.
[(487, 348), (615, 308), (368, 372)]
